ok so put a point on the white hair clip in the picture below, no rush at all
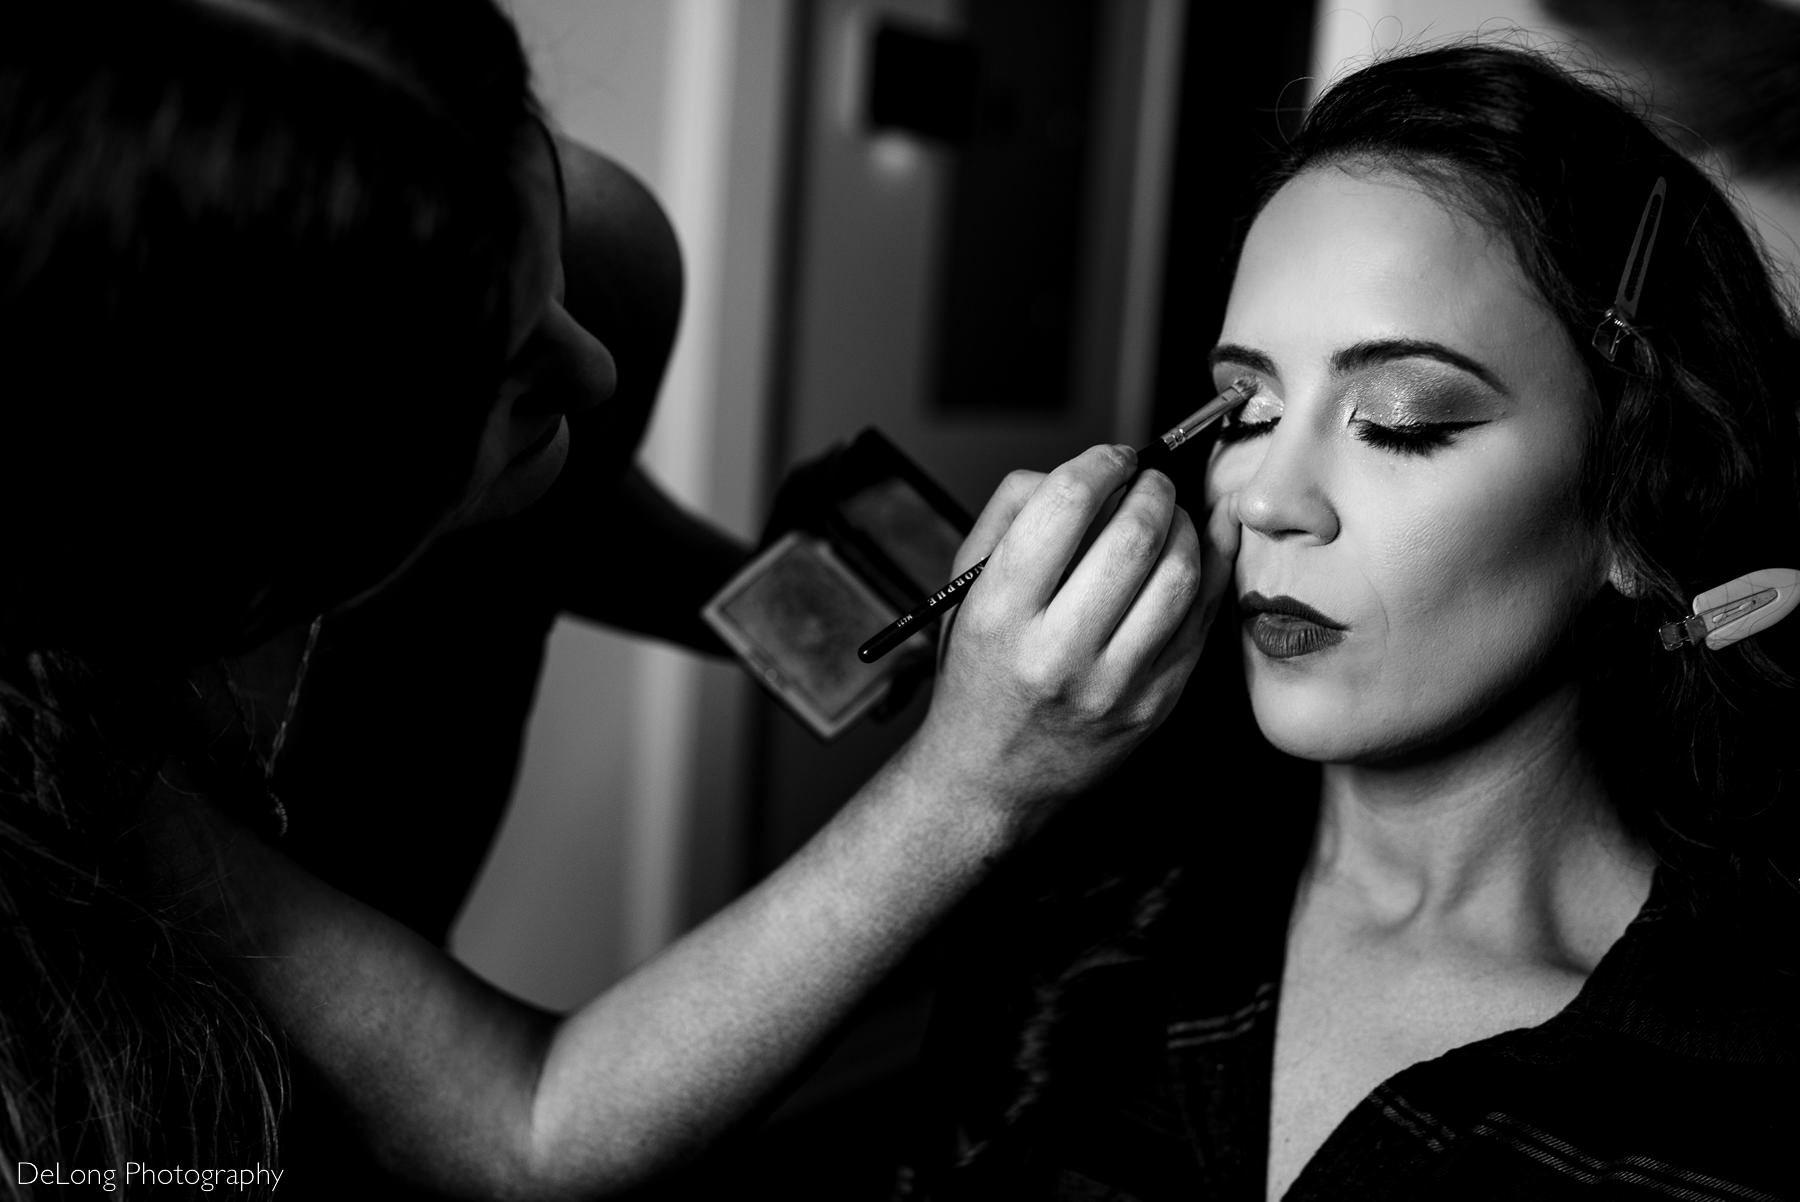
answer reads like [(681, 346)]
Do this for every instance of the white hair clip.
[(1737, 609)]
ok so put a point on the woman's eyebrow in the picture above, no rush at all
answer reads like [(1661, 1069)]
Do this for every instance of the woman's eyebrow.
[(1361, 355), (1365, 354), (1231, 352)]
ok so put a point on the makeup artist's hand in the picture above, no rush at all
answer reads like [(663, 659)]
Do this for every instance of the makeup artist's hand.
[(1066, 653)]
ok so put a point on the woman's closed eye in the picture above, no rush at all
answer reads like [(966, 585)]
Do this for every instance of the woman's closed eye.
[(1258, 416), (1410, 409), (1409, 438)]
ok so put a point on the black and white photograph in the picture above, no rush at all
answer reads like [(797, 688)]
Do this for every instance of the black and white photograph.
[(900, 600)]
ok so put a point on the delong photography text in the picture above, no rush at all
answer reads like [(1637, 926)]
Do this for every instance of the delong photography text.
[(137, 1174)]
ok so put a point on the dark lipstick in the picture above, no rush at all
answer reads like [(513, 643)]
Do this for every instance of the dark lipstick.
[(1285, 628)]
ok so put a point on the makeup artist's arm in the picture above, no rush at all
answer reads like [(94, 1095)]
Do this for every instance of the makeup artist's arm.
[(1047, 683), (622, 267)]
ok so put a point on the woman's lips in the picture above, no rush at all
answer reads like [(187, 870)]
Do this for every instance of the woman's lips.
[(1283, 636), (1284, 628)]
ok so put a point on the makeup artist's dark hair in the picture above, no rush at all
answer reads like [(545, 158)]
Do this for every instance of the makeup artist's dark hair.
[(254, 265), (1693, 471)]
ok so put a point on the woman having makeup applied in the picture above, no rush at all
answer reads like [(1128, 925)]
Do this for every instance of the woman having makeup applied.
[(325, 363), (1466, 869)]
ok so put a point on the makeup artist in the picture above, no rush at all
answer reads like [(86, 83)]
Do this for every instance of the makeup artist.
[(325, 362)]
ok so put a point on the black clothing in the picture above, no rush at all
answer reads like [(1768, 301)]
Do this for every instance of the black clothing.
[(1669, 1076)]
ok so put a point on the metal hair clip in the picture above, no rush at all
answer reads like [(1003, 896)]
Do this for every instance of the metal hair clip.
[(1617, 322), (1735, 610)]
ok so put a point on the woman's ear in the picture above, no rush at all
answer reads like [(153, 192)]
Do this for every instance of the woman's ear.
[(1623, 580)]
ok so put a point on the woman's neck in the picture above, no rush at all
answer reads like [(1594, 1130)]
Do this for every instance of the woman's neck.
[(1507, 844)]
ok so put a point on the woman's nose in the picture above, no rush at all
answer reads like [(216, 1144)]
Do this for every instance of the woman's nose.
[(571, 370), (1286, 496)]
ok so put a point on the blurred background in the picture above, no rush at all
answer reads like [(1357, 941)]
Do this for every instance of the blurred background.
[(994, 229)]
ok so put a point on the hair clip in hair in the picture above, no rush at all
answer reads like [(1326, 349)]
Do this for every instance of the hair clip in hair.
[(1612, 331), (1735, 610), (1616, 324)]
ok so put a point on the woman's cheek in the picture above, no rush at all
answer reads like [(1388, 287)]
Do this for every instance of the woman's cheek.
[(1230, 469)]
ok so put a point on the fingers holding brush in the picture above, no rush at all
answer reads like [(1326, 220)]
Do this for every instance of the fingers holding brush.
[(1129, 550), (997, 517), (1039, 695), (1216, 543), (1030, 560)]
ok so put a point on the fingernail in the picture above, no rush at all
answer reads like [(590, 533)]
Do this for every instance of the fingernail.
[(1129, 452)]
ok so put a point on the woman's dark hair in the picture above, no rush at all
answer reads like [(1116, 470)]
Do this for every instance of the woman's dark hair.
[(254, 303), (1693, 473)]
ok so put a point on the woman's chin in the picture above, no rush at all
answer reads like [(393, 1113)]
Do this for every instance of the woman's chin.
[(1310, 723), (1303, 741)]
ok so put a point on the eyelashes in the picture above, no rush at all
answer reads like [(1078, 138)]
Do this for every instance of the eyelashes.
[(1400, 438), (1410, 438), (1232, 429)]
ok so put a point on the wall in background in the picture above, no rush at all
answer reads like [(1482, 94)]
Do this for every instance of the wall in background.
[(1346, 35)]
